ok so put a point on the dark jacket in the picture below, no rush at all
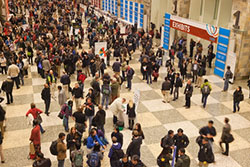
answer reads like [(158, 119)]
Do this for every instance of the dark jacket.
[(70, 143), (139, 164), (205, 153), (90, 112), (183, 161), (7, 86), (2, 114), (100, 118), (96, 86), (167, 143), (45, 162), (206, 130), (236, 95), (178, 82), (134, 147), (181, 141), (225, 132), (188, 90), (131, 111), (112, 151), (163, 160), (166, 85), (116, 66), (77, 92), (65, 80), (119, 137), (45, 94)]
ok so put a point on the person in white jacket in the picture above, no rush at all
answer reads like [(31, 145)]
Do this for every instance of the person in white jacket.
[(117, 108)]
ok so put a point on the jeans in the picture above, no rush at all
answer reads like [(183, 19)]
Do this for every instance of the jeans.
[(114, 119), (129, 82), (159, 62), (176, 93), (131, 122), (4, 69), (226, 84), (60, 163), (66, 123), (90, 118), (204, 99), (236, 104), (16, 80), (188, 101), (9, 97), (105, 98), (21, 77), (41, 128), (149, 78), (47, 104)]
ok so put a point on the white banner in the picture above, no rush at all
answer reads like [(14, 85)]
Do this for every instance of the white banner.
[(231, 58), (137, 95), (100, 49)]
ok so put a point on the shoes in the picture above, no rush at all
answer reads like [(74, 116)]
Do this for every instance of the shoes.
[(238, 109), (187, 107), (2, 162), (18, 88), (47, 114), (7, 103), (43, 132), (163, 101), (224, 153)]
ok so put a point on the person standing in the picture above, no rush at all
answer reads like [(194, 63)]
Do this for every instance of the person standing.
[(130, 73), (96, 88), (66, 110), (106, 91), (195, 67), (51, 81), (149, 71), (167, 142), (7, 87), (80, 121), (205, 155), (114, 89), (77, 95), (118, 135), (117, 109), (35, 112), (89, 111), (208, 132), (46, 96), (228, 75), (41, 161), (177, 85), (46, 66), (171, 78), (61, 150), (226, 137), (65, 80), (3, 64), (35, 136), (135, 145), (188, 94), (77, 156), (13, 72), (181, 141), (72, 140), (165, 90), (114, 153), (237, 98), (100, 118), (116, 67), (192, 45), (61, 96), (131, 114), (183, 160), (206, 88)]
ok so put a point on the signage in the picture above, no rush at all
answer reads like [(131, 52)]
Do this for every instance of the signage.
[(204, 31), (137, 96), (166, 31), (100, 49)]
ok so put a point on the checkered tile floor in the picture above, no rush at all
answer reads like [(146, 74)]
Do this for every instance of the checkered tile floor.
[(156, 119)]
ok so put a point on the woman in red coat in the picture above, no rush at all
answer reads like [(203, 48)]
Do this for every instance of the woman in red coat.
[(35, 136)]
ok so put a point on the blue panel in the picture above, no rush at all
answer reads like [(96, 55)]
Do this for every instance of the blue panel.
[(166, 28), (222, 49), (136, 4), (141, 6), (219, 64), (141, 11), (167, 22), (224, 32), (221, 56), (166, 40), (166, 34), (218, 72), (223, 40), (165, 46), (167, 16)]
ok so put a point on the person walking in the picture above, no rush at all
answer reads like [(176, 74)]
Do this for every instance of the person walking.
[(131, 114), (208, 132), (66, 110), (61, 150), (61, 96), (115, 153), (165, 90), (80, 121), (205, 155), (226, 137), (35, 136), (89, 111), (106, 91), (7, 87), (77, 95), (237, 98), (13, 72), (51, 81), (228, 75), (135, 145), (183, 160), (188, 94), (129, 73), (181, 141), (65, 80), (206, 88), (96, 88), (46, 96), (100, 118), (177, 85), (35, 112)]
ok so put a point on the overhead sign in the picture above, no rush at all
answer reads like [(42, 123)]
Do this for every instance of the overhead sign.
[(204, 31)]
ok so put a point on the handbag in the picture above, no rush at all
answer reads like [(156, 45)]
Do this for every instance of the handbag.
[(60, 115), (229, 138), (39, 118)]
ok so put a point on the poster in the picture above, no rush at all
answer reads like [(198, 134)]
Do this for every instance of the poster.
[(137, 95), (100, 49)]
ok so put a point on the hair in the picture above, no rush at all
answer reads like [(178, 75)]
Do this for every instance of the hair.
[(135, 158), (35, 122), (135, 133), (205, 80), (32, 105), (211, 122), (61, 135), (114, 139), (180, 130), (226, 120), (40, 155), (70, 102), (117, 59), (228, 67), (59, 87), (240, 88), (72, 130), (138, 127), (131, 103), (178, 74), (170, 132), (92, 131), (117, 128), (96, 148), (166, 78), (182, 150)]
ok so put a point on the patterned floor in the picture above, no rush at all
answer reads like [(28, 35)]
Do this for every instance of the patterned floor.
[(156, 119)]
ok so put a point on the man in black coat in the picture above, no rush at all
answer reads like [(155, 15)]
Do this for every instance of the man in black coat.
[(135, 145), (46, 96), (171, 78), (180, 141), (167, 142), (177, 85), (205, 155), (188, 94), (118, 135), (96, 88), (7, 87)]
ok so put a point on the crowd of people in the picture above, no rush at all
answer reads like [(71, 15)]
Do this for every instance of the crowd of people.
[(49, 34)]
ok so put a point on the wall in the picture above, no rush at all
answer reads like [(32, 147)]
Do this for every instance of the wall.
[(158, 10)]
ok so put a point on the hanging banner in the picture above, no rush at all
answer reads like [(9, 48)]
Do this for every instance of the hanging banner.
[(204, 31), (100, 49)]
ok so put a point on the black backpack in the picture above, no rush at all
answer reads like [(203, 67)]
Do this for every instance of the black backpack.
[(53, 148), (117, 154)]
